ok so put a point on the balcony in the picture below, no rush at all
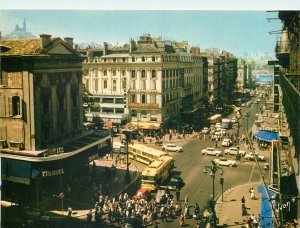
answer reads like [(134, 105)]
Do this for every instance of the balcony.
[(283, 53)]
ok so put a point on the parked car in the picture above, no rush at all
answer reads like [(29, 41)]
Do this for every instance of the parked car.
[(175, 183), (234, 151), (259, 157), (226, 142), (225, 162), (172, 147), (211, 151), (205, 130), (142, 193), (218, 125)]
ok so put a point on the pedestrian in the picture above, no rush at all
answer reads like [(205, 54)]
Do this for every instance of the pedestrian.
[(186, 199), (216, 144), (89, 217), (177, 195), (181, 220), (244, 211), (252, 193), (69, 211)]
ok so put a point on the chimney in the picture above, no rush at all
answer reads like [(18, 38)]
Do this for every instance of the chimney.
[(105, 48), (132, 46), (69, 41), (45, 40)]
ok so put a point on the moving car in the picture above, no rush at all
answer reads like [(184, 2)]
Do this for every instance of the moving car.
[(142, 193), (205, 130), (211, 151), (259, 157), (172, 147), (226, 142), (234, 151), (175, 183), (225, 162)]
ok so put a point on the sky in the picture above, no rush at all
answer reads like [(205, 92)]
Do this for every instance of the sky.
[(236, 29)]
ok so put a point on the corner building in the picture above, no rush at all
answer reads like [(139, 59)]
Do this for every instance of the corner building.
[(42, 142)]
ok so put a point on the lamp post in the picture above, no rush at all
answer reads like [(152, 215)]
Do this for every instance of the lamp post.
[(127, 141), (213, 168), (112, 142), (247, 116)]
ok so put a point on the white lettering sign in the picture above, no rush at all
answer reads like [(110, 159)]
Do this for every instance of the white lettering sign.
[(50, 173)]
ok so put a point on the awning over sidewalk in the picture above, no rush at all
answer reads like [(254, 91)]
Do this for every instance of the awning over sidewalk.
[(267, 136), (266, 214), (145, 125)]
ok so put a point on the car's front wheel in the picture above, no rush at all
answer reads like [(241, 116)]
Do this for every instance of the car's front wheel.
[(230, 165)]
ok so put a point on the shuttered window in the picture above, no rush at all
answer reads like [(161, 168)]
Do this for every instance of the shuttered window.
[(2, 105)]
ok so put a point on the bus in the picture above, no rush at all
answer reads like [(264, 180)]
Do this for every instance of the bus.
[(157, 172), (144, 154), (226, 123), (215, 119)]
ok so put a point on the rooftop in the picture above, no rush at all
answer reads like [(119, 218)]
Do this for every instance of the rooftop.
[(20, 47)]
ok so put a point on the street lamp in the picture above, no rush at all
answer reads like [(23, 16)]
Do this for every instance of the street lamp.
[(247, 116), (127, 141), (213, 168)]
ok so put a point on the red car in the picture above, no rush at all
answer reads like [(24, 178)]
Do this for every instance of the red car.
[(142, 193)]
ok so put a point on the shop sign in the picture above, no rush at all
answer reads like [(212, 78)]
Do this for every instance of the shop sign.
[(143, 105), (50, 173)]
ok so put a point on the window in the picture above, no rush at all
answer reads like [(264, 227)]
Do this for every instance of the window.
[(153, 73), (14, 105), (114, 72), (133, 59), (133, 113), (123, 72), (153, 59), (133, 73), (119, 110), (163, 73), (114, 60), (133, 98), (114, 85), (119, 101), (163, 85), (143, 114), (108, 110), (104, 59), (108, 100), (105, 84), (105, 72), (153, 99), (24, 111), (143, 59), (123, 59), (143, 98), (143, 74)]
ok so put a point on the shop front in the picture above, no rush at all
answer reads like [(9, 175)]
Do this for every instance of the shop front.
[(32, 181)]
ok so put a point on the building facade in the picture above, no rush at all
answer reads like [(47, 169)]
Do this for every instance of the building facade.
[(41, 117), (155, 79)]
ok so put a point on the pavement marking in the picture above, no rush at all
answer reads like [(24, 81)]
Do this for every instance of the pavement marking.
[(252, 171)]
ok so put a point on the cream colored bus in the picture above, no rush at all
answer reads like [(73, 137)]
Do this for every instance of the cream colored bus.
[(157, 172), (144, 154)]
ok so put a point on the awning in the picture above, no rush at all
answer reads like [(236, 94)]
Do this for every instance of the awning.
[(267, 136), (145, 125)]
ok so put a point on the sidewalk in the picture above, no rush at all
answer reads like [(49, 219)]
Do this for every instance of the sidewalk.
[(229, 211)]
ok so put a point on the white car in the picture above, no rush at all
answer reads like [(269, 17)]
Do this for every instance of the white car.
[(233, 120), (218, 125), (259, 157), (223, 131), (205, 130), (226, 142), (172, 147), (225, 162), (211, 151), (234, 151)]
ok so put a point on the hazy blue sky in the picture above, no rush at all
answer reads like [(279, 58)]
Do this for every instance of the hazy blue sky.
[(235, 31)]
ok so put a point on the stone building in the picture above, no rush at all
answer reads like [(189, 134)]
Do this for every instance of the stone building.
[(41, 117), (152, 76)]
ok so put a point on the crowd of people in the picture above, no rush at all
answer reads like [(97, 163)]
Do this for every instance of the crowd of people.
[(145, 212)]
